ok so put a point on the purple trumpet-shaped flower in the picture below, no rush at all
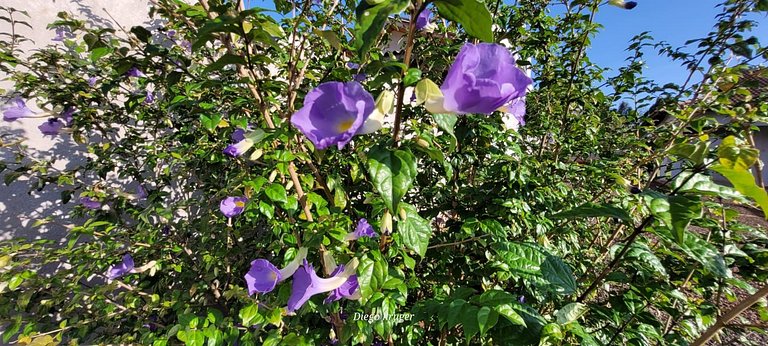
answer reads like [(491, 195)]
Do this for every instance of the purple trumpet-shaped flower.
[(238, 148), (363, 229), (150, 98), (423, 19), (333, 112), (16, 109), (135, 72), (306, 283), (51, 127), (264, 276), (68, 115), (627, 5), (122, 268), (141, 192), (92, 81), (349, 289), (59, 34), (233, 206), (90, 203), (482, 79)]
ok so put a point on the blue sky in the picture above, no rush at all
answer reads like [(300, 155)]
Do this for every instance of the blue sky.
[(674, 21)]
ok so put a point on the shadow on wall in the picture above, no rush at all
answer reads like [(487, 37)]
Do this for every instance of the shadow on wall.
[(21, 202)]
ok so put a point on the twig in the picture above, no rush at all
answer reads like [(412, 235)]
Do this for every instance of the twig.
[(726, 318)]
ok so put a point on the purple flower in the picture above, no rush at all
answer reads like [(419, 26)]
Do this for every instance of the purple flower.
[(359, 77), (238, 135), (150, 98), (423, 19), (353, 65), (514, 114), (238, 148), (521, 299), (135, 72), (233, 206), (306, 283), (51, 127), (627, 5), (59, 34), (349, 289), (363, 229), (120, 269), (186, 45), (141, 192), (170, 33), (333, 112), (92, 81), (264, 276), (68, 115), (90, 203), (16, 109), (482, 79)]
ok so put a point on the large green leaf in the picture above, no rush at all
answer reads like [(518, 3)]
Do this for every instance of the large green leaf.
[(392, 173), (595, 210), (676, 212), (371, 275), (706, 254), (415, 231), (570, 313), (641, 256), (370, 21), (703, 184), (744, 182), (532, 263), (471, 14)]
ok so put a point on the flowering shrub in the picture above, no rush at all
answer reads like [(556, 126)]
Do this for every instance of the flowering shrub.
[(438, 172)]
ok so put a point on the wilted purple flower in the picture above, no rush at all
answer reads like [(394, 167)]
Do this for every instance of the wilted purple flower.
[(165, 230), (90, 203), (423, 19), (120, 269), (349, 289), (627, 5), (16, 109), (51, 127), (68, 115), (135, 72), (264, 276), (333, 112), (92, 81), (232, 206), (363, 229), (150, 98), (306, 283), (482, 79)]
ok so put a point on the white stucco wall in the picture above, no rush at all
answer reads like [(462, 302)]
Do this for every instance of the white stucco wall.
[(19, 210)]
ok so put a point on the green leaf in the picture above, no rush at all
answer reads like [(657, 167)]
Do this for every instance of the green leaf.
[(595, 210), (706, 254), (370, 20), (486, 319), (703, 184), (508, 311), (570, 313), (412, 76), (744, 182), (330, 37), (371, 276), (696, 153), (447, 122), (471, 14), (676, 212), (141, 33), (249, 315), (210, 123), (98, 53), (414, 230), (276, 193), (454, 312), (641, 256), (469, 321), (736, 156), (392, 173), (559, 274)]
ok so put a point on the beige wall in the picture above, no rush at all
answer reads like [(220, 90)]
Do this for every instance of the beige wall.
[(19, 210)]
